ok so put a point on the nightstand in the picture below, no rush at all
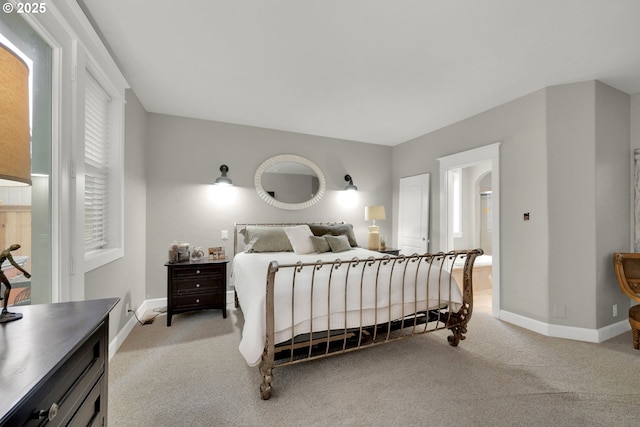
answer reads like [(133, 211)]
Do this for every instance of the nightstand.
[(390, 251), (196, 286)]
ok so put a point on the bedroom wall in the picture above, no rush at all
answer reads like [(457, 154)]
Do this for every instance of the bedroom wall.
[(564, 159), (612, 197), (520, 127), (125, 277), (183, 160), (588, 140)]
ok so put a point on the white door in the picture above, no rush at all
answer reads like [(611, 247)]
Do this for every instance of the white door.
[(413, 215)]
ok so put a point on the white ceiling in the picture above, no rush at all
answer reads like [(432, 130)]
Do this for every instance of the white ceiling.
[(377, 71)]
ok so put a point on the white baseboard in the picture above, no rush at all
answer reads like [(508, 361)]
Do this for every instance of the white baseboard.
[(567, 332), (149, 304)]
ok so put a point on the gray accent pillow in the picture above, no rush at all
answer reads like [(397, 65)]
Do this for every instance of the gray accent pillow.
[(320, 244), (335, 230), (265, 239), (338, 243)]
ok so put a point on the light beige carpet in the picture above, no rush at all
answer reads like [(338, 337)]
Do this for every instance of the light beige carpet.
[(191, 374)]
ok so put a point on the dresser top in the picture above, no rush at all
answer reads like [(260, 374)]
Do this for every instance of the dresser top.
[(31, 348)]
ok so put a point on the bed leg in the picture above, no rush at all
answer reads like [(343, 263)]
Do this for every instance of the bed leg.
[(459, 321), (457, 336), (267, 377)]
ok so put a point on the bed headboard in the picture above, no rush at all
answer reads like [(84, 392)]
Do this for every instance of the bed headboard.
[(238, 239)]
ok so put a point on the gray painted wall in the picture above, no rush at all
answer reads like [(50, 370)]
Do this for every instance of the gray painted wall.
[(520, 126), (182, 204), (125, 277), (564, 159), (170, 163)]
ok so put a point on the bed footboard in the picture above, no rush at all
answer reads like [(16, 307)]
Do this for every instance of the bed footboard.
[(363, 303)]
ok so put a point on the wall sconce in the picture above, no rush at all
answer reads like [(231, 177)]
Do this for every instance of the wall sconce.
[(371, 213), (350, 186), (223, 179), (15, 136)]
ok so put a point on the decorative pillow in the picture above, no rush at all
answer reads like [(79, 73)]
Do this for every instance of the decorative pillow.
[(335, 230), (265, 239), (320, 243), (299, 237), (345, 230), (320, 229), (338, 243)]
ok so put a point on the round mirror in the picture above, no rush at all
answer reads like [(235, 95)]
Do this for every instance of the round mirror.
[(289, 182)]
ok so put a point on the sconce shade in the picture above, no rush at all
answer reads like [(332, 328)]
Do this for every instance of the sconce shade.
[(223, 179), (371, 213), (15, 139), (350, 186)]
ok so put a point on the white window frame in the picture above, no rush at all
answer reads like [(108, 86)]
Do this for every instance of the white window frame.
[(114, 248), (76, 46)]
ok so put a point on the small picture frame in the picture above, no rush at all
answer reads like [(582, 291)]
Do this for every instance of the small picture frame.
[(217, 253)]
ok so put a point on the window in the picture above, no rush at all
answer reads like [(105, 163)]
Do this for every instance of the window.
[(455, 192), (103, 170), (96, 157)]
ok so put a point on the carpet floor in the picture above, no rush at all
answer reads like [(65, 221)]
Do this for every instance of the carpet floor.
[(192, 374)]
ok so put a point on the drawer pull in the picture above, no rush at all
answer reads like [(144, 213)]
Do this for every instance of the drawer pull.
[(197, 271), (197, 285), (50, 414), (198, 300)]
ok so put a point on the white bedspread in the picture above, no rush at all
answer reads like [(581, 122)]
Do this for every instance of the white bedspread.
[(249, 274)]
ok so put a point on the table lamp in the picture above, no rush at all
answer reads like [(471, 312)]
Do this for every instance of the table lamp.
[(15, 143), (371, 213)]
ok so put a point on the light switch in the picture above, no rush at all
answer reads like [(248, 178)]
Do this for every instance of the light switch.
[(224, 235)]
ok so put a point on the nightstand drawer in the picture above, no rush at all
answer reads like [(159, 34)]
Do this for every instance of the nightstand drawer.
[(198, 271), (194, 302), (199, 285)]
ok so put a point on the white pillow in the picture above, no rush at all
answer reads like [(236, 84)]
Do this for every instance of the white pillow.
[(299, 237)]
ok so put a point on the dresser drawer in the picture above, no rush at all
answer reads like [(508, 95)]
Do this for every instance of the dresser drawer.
[(73, 383), (199, 285), (199, 270), (194, 302)]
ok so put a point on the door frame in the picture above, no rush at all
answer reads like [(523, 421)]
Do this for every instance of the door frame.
[(463, 159)]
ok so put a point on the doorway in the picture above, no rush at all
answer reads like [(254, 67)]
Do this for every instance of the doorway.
[(470, 207)]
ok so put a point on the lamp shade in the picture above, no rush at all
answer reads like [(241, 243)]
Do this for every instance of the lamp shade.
[(15, 140), (374, 212)]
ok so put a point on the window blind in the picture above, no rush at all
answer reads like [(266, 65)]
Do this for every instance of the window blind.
[(96, 157)]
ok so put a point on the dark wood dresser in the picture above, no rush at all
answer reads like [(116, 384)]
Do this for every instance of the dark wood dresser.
[(196, 286), (54, 364)]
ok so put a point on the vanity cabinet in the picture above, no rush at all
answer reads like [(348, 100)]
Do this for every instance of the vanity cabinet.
[(54, 368)]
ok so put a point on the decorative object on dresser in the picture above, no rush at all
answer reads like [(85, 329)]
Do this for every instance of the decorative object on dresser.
[(338, 298), (371, 213), (196, 286), (15, 137), (5, 255), (54, 366)]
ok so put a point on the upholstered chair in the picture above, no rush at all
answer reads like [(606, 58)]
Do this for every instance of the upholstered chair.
[(627, 267)]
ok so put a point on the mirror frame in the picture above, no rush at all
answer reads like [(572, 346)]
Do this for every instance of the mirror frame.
[(257, 181)]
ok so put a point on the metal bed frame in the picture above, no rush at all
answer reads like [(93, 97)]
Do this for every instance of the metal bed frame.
[(342, 339)]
